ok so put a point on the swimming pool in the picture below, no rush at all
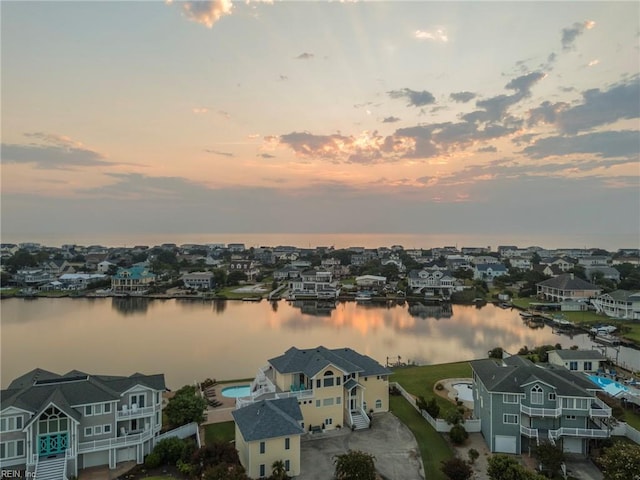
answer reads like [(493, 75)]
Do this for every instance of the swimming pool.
[(237, 391), (464, 391), (613, 388)]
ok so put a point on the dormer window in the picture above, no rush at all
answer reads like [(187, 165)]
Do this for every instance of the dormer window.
[(328, 378), (537, 395)]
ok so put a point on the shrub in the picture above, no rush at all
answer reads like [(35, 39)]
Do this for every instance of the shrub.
[(456, 469), (439, 386), (473, 455), (433, 408), (454, 417), (153, 460), (458, 434)]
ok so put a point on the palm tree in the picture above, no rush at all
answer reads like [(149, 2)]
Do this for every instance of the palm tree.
[(278, 472)]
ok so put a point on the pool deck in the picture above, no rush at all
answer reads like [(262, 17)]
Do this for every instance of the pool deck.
[(452, 393), (222, 413)]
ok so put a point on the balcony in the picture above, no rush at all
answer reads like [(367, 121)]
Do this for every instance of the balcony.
[(599, 409), (529, 432), (540, 412), (107, 443), (579, 432), (134, 412)]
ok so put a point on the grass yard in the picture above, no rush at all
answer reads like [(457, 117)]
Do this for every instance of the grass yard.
[(219, 432), (420, 381), (433, 447)]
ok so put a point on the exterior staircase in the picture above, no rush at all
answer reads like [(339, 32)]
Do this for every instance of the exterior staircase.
[(359, 421), (51, 469)]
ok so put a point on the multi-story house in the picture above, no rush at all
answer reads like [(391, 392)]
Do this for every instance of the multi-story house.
[(487, 271), (594, 260), (63, 423), (567, 287), (198, 280), (521, 405), (432, 282), (313, 284), (618, 304), (577, 360), (521, 263), (33, 277), (136, 279)]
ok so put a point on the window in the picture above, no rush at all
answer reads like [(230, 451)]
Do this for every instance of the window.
[(88, 431), (97, 430), (88, 411), (158, 418), (12, 449), (338, 379), (338, 400), (582, 403), (537, 395), (378, 404), (262, 447), (552, 396), (9, 424), (509, 398), (107, 408), (327, 402), (573, 365), (98, 409), (106, 428), (587, 366), (318, 383), (567, 403), (510, 418), (328, 381), (328, 421), (157, 398), (287, 443), (262, 470), (317, 403), (138, 400), (287, 465)]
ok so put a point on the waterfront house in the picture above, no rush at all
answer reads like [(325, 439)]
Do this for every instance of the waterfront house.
[(198, 280), (314, 284), (608, 273), (268, 431), (432, 282), (286, 272), (64, 423), (371, 281), (33, 277), (619, 304), (489, 271), (521, 405), (577, 360), (567, 287), (136, 279)]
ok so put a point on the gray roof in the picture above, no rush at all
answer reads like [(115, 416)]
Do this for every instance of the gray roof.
[(269, 419), (499, 267), (313, 360), (624, 295), (580, 354), (512, 375), (36, 389), (568, 282)]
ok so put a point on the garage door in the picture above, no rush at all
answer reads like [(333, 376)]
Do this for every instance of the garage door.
[(95, 459), (126, 454), (572, 445), (505, 444)]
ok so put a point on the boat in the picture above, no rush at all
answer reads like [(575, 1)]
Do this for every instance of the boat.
[(251, 299), (603, 329), (607, 339), (504, 305), (526, 315), (363, 296)]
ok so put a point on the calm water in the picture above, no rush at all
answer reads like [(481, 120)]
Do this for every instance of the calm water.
[(192, 340)]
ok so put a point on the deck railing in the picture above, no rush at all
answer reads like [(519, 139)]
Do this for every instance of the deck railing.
[(579, 432), (601, 410), (529, 432), (540, 412), (134, 412), (126, 440)]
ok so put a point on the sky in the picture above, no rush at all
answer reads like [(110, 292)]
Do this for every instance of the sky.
[(314, 117)]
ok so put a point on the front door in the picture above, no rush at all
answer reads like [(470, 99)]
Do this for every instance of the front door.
[(55, 444), (352, 403)]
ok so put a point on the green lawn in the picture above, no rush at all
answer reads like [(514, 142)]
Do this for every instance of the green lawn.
[(219, 432), (433, 447), (420, 381)]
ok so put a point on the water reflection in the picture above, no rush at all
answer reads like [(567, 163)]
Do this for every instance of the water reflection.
[(186, 342)]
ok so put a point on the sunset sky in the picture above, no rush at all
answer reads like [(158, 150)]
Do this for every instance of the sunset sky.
[(354, 117)]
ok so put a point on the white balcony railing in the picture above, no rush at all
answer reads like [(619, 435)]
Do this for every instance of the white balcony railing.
[(529, 432), (124, 441), (133, 412), (540, 412), (296, 394), (602, 409), (579, 432)]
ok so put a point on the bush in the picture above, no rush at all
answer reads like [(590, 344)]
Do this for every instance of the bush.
[(456, 469), (454, 417), (458, 434), (473, 455), (439, 386), (153, 460), (170, 450), (433, 408)]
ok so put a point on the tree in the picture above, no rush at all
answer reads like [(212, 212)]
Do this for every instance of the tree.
[(224, 471), (496, 353), (456, 469), (502, 467), (19, 260), (621, 461), (278, 472), (550, 456), (355, 465), (185, 407), (214, 454), (235, 277)]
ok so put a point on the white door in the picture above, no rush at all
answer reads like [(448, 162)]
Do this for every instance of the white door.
[(126, 454), (572, 445), (95, 459), (505, 444)]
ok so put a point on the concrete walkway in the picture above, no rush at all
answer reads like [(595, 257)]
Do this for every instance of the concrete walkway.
[(388, 440)]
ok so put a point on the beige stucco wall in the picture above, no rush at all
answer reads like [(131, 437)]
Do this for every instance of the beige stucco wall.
[(251, 458), (376, 387)]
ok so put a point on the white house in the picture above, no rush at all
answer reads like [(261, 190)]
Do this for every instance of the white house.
[(619, 304)]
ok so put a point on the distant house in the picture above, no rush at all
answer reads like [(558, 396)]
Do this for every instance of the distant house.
[(236, 247), (485, 260), (287, 272), (80, 281), (521, 263), (619, 304), (594, 260), (268, 431), (78, 420), (563, 264), (432, 282), (104, 266), (608, 273), (33, 277), (567, 287), (314, 284), (198, 280), (371, 281), (577, 360), (489, 271), (136, 279)]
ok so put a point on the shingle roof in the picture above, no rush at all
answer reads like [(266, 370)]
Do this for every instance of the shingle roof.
[(580, 354), (269, 419), (313, 360), (624, 295), (505, 378), (568, 282)]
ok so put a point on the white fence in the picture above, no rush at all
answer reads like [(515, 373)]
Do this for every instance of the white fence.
[(182, 432), (625, 430), (438, 424)]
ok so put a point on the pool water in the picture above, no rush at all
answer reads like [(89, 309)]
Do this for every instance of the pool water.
[(611, 387), (237, 391), (464, 390)]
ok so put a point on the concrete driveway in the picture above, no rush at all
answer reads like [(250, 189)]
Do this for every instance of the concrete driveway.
[(388, 440), (583, 469)]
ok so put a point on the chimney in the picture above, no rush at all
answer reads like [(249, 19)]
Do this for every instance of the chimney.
[(572, 276)]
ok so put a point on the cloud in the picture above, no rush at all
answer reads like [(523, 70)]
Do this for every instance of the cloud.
[(612, 144), (206, 12), (305, 56), (217, 152), (462, 97), (488, 149), (438, 35), (199, 110), (416, 99), (283, 78), (266, 155), (390, 119), (57, 152), (570, 34)]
